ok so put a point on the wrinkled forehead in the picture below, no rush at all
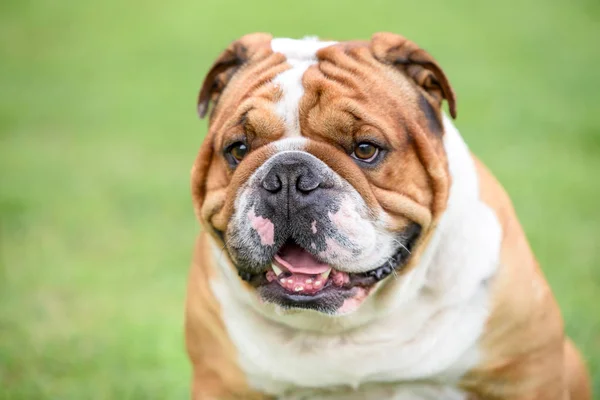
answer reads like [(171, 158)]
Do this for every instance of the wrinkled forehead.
[(300, 55), (308, 87)]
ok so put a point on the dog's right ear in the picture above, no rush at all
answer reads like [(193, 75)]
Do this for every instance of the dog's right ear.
[(228, 63), (418, 65)]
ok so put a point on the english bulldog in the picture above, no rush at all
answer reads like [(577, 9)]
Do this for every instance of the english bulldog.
[(352, 246)]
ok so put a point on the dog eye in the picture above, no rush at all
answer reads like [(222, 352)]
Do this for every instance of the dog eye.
[(366, 152), (236, 152)]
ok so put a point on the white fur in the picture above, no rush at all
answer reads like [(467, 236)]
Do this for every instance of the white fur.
[(422, 326), (290, 144), (300, 54), (411, 391), (299, 50)]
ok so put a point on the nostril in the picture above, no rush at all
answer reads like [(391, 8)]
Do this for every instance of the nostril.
[(306, 184), (272, 183)]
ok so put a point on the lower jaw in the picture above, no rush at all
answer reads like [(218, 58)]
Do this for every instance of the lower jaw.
[(331, 299)]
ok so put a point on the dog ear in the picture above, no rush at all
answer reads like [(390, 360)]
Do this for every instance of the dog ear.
[(417, 64), (226, 65)]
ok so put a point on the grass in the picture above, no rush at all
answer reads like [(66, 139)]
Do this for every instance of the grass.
[(98, 132)]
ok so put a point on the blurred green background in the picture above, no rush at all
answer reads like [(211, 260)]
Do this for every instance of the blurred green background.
[(98, 132)]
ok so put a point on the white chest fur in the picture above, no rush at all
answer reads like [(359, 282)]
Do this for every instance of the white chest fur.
[(423, 329)]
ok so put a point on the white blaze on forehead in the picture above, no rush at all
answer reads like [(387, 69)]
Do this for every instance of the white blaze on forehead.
[(300, 54), (291, 144), (299, 49)]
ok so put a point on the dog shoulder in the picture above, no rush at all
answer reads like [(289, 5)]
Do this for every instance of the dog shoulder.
[(523, 339), (216, 373)]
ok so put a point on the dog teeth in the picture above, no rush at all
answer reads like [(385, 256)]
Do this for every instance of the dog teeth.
[(317, 283), (325, 274), (276, 269), (309, 281), (298, 289)]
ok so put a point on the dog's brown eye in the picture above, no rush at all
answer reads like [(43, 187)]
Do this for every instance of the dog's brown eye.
[(365, 151), (237, 152)]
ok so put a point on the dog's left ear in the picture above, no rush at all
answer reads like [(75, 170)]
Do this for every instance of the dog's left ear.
[(417, 64), (228, 63)]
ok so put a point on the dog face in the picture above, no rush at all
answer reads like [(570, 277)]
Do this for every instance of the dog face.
[(323, 171)]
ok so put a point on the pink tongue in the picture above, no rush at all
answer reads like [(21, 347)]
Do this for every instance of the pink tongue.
[(298, 261)]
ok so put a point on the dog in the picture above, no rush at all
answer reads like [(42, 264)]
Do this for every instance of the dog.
[(352, 246)]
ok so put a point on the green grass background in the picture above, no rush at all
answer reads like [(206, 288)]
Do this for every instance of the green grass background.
[(98, 132)]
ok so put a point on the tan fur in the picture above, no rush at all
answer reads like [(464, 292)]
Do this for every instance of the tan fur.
[(216, 374), (390, 91), (526, 353)]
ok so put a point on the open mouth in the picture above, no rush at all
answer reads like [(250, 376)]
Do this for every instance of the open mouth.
[(299, 272), (298, 279)]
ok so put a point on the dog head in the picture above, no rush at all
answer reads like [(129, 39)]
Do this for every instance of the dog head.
[(323, 171)]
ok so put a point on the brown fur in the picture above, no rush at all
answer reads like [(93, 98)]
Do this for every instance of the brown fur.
[(216, 374), (389, 91), (526, 355)]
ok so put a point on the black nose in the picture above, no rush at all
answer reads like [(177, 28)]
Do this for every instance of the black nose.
[(292, 183)]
